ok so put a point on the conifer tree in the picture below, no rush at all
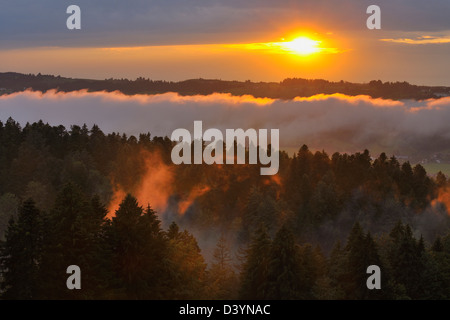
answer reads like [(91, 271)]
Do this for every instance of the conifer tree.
[(73, 233), (337, 270), (186, 266), (437, 245), (222, 280), (139, 251), (311, 268), (283, 267), (20, 254), (254, 274)]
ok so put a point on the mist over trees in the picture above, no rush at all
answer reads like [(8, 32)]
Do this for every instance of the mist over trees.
[(309, 232)]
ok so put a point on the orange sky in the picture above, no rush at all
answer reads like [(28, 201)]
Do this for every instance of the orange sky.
[(178, 40), (178, 62)]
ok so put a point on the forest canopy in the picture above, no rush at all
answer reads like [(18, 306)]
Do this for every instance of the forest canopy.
[(140, 227)]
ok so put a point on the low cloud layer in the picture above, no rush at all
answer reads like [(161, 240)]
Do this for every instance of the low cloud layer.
[(330, 122)]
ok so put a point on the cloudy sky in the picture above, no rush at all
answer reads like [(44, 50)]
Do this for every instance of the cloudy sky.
[(182, 39)]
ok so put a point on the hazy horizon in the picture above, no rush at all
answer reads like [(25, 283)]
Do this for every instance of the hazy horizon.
[(119, 77)]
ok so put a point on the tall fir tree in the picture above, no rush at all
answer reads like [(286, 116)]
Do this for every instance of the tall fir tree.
[(283, 267), (139, 251), (222, 280), (254, 281), (72, 237), (362, 252), (20, 254), (186, 266)]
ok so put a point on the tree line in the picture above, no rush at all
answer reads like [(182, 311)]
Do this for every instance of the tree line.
[(287, 89)]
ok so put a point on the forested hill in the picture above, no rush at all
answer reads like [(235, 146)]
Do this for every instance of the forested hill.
[(309, 232), (287, 89)]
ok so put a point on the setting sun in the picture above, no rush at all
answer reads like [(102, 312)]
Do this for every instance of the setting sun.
[(302, 46)]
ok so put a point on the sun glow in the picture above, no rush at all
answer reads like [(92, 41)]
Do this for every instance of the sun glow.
[(301, 46)]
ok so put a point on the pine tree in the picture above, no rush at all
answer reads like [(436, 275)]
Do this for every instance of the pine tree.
[(222, 256), (355, 284), (156, 253), (254, 279), (362, 252), (260, 209), (324, 202), (222, 280), (311, 267), (442, 260), (283, 267), (437, 245), (186, 266), (337, 270), (73, 231), (406, 260), (173, 230), (372, 257), (139, 251), (20, 255)]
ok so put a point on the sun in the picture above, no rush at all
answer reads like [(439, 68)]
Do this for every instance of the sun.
[(301, 46)]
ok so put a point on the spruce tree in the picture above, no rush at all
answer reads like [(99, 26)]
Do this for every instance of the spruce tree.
[(356, 266), (186, 266), (138, 251), (283, 267), (254, 281), (20, 254), (437, 245), (222, 280), (73, 236)]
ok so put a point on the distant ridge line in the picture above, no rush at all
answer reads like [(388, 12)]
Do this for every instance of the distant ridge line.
[(289, 88)]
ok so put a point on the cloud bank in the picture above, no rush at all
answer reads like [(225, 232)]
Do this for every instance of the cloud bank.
[(330, 122)]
